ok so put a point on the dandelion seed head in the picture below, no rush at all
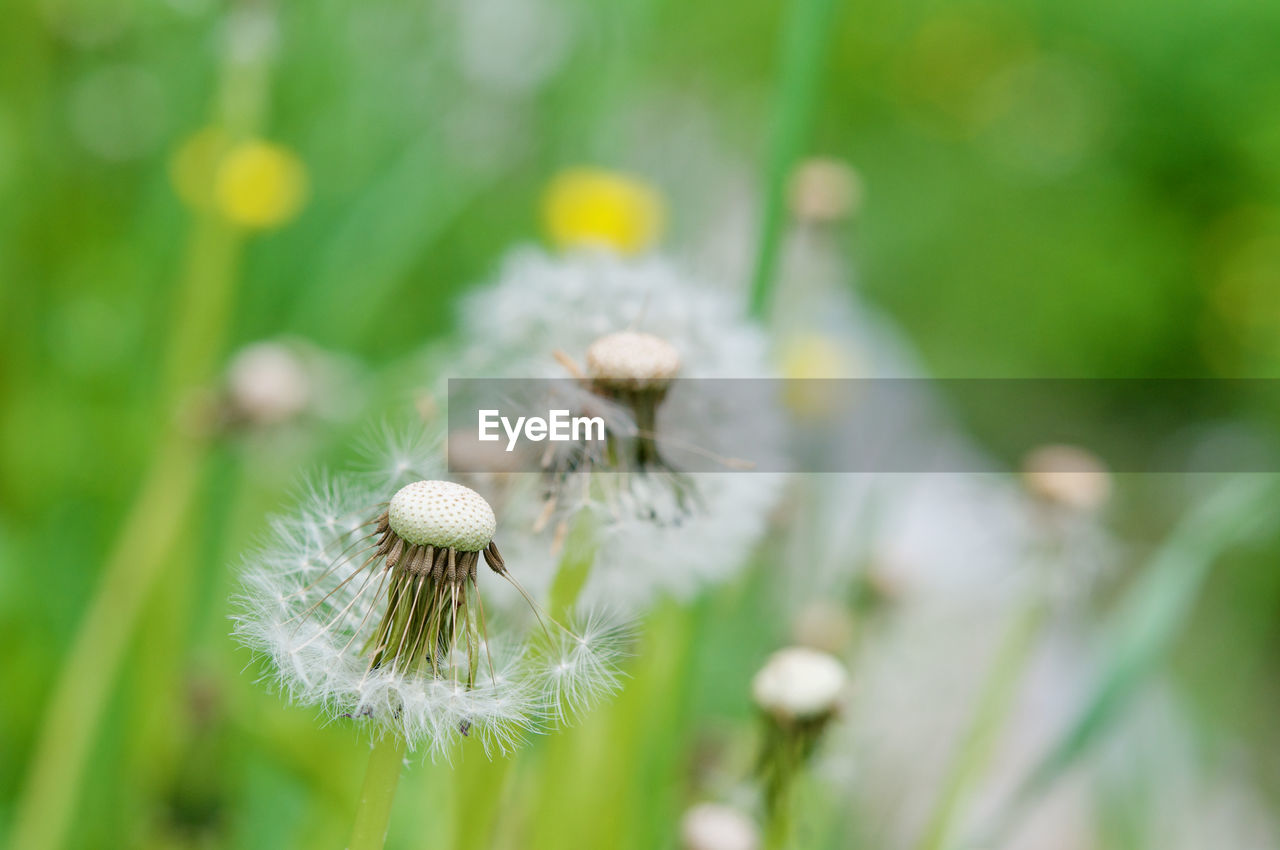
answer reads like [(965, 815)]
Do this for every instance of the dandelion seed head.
[(443, 514), (799, 683), (1068, 477), (659, 532), (636, 360), (268, 383), (822, 191), (367, 623), (713, 826)]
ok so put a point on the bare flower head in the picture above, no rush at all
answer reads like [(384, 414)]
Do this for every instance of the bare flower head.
[(824, 190), (373, 609), (1067, 477), (713, 826), (799, 684), (624, 334), (267, 383), (631, 360)]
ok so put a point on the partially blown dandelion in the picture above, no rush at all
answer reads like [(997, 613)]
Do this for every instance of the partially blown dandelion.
[(626, 330), (373, 610)]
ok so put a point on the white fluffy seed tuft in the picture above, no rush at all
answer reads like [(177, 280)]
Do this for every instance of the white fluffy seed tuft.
[(442, 514), (636, 359), (799, 683), (712, 826)]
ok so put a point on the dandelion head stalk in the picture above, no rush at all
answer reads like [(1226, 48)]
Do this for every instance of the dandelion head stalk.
[(373, 610)]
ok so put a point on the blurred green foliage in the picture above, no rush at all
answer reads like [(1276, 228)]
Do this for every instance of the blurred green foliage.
[(1087, 189)]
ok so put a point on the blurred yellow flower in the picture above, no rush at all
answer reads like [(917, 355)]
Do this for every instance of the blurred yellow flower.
[(252, 184), (591, 206), (260, 185), (807, 359), (811, 356)]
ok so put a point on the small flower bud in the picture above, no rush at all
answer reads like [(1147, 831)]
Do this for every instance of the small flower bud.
[(268, 384), (1067, 477), (824, 190), (632, 360), (442, 514), (799, 683), (711, 826)]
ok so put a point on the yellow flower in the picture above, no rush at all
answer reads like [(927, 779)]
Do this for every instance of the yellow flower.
[(591, 206), (813, 355), (260, 185), (252, 184), (806, 360)]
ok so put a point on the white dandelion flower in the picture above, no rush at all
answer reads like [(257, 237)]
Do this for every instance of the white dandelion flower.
[(371, 608), (714, 826), (799, 684), (636, 325)]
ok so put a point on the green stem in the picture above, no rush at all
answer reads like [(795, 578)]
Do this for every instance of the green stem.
[(781, 809), (804, 47), (480, 783), (575, 566), (386, 763), (992, 710)]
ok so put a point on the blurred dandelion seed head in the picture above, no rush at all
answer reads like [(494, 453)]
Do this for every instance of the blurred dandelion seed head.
[(799, 684), (267, 383), (1067, 477), (590, 207), (713, 826), (659, 532), (824, 191), (632, 360)]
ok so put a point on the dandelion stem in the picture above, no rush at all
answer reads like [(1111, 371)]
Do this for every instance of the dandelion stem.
[(574, 568), (803, 50), (785, 772), (381, 778), (992, 710)]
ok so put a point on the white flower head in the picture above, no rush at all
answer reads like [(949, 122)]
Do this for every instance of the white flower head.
[(713, 826), (639, 327), (372, 609), (799, 684), (1067, 477)]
